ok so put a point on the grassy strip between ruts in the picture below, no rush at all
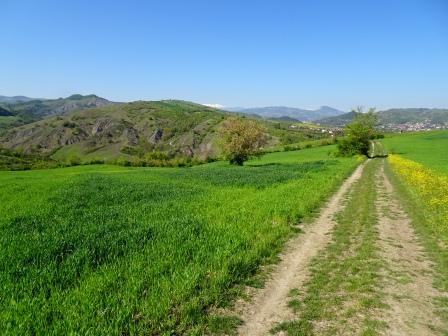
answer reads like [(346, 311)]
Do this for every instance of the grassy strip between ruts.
[(343, 288), (104, 250), (416, 186)]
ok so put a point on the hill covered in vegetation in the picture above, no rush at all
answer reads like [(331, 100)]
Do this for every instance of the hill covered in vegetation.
[(161, 129), (24, 110), (399, 119), (5, 113)]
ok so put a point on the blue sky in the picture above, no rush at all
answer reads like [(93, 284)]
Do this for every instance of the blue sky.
[(384, 53)]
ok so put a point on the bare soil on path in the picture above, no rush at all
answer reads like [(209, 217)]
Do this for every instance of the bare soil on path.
[(405, 280), (269, 304), (408, 276)]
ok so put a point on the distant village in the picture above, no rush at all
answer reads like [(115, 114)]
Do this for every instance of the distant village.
[(413, 126), (320, 129)]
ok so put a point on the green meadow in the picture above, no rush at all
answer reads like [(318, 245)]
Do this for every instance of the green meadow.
[(108, 250), (427, 148)]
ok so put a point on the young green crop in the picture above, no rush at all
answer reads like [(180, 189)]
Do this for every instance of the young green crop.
[(111, 250), (427, 148)]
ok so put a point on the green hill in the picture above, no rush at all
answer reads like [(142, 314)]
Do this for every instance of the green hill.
[(27, 111), (398, 116), (175, 128), (5, 113), (338, 121)]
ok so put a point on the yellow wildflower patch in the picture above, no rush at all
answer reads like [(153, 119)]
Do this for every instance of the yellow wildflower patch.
[(429, 187)]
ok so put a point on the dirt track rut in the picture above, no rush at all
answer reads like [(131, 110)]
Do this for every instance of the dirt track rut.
[(406, 277), (270, 304), (408, 274)]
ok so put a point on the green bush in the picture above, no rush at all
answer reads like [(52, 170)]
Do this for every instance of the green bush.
[(156, 155), (358, 134), (75, 160)]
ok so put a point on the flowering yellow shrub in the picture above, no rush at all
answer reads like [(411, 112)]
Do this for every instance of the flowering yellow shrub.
[(430, 188)]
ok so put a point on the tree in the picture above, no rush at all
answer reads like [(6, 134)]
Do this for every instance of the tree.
[(359, 133), (241, 139)]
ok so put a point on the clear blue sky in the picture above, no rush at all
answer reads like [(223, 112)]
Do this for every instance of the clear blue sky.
[(384, 53)]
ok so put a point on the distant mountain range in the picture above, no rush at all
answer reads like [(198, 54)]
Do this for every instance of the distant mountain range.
[(271, 112), (405, 119), (16, 99)]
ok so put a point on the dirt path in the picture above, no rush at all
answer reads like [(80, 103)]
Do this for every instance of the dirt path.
[(402, 281), (269, 305), (408, 274)]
